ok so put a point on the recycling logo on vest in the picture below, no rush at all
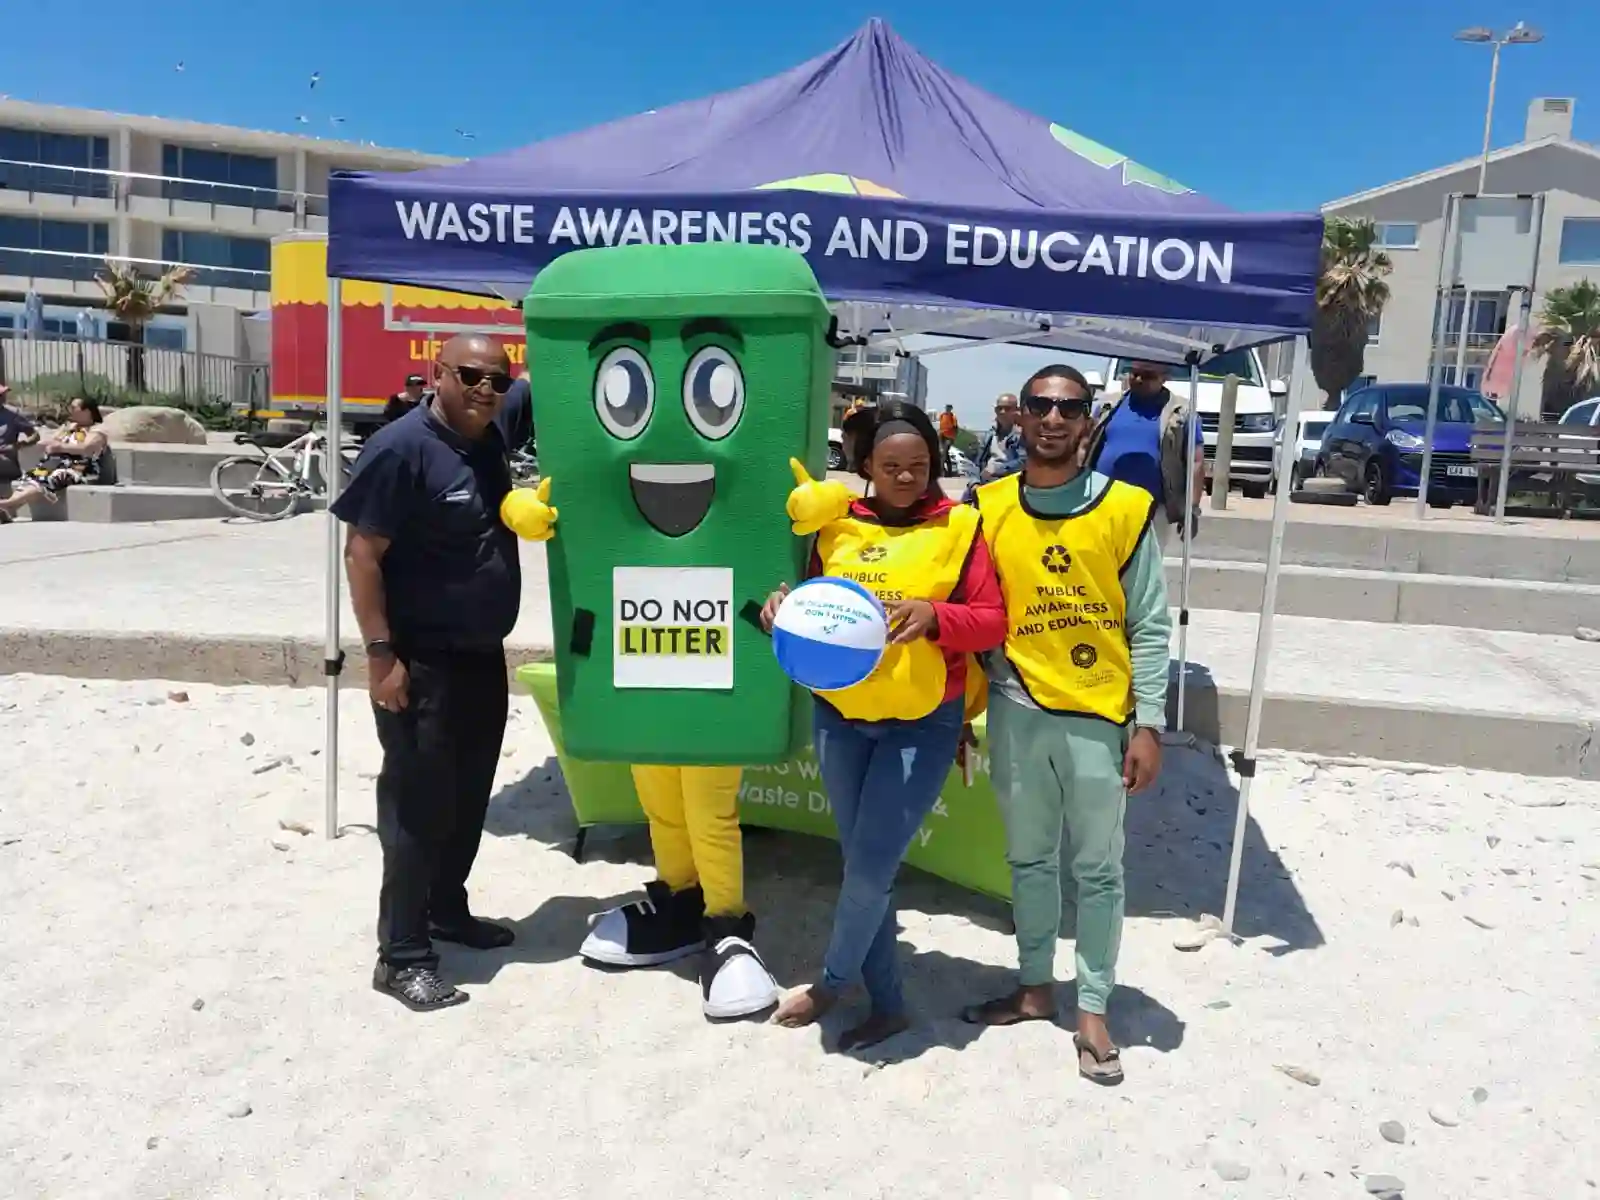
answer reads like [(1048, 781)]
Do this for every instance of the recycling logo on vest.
[(1084, 656), (1056, 560), (873, 553)]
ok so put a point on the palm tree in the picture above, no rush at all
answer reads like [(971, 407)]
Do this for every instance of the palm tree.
[(133, 298), (1350, 294), (1569, 336)]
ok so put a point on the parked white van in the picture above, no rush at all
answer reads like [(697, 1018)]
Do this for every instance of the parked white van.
[(1255, 418)]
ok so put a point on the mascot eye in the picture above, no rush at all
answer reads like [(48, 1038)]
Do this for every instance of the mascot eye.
[(713, 392), (624, 393)]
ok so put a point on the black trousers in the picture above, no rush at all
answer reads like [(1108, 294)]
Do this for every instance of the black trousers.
[(439, 759)]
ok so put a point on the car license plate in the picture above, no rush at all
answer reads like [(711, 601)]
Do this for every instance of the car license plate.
[(1466, 471)]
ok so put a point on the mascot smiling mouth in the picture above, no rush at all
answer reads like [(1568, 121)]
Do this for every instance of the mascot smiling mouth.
[(673, 497)]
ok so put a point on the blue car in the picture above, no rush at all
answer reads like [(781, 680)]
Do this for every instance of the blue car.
[(1375, 442)]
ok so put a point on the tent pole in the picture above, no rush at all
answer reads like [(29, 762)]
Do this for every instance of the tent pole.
[(333, 472), (1246, 761), (1187, 534)]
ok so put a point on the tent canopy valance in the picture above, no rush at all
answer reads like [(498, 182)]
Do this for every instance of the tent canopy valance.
[(932, 205)]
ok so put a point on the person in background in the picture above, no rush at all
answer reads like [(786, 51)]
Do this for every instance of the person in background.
[(16, 431), (520, 399), (436, 586), (70, 456), (948, 428), (1077, 701), (404, 401), (1000, 453), (886, 745), (1142, 439)]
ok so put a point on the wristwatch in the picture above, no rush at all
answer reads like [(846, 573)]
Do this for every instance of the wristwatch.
[(379, 648)]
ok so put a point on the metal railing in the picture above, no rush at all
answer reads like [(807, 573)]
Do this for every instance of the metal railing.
[(76, 266), (45, 372), (102, 183)]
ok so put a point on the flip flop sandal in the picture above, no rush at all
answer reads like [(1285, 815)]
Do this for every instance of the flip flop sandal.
[(1003, 1007), (1107, 1069)]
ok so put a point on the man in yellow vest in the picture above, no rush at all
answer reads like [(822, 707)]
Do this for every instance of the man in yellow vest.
[(1077, 700)]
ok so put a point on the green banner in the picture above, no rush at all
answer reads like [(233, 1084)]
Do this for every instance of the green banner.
[(962, 840)]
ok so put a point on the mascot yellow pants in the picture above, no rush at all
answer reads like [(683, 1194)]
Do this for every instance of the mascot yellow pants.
[(694, 830)]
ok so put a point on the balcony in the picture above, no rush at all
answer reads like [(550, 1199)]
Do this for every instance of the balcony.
[(58, 273), (161, 199)]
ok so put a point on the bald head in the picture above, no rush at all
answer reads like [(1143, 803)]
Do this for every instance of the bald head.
[(475, 348), (1005, 411)]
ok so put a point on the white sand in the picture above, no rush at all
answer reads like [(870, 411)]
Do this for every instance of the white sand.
[(138, 878)]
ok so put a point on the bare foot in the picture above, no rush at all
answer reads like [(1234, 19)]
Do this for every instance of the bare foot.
[(1032, 1003), (803, 1006), (878, 1027)]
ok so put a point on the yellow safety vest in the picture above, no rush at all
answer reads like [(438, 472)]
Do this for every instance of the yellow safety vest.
[(903, 562), (1065, 607)]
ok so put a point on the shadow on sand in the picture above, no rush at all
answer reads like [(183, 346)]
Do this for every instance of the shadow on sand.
[(1178, 838)]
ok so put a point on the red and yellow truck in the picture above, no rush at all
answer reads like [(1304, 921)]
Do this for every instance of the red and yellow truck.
[(376, 360)]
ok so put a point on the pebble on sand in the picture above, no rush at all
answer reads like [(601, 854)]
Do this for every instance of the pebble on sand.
[(1392, 1131), (1299, 1074), (240, 1108), (1443, 1114), (1479, 1095), (1478, 921), (1397, 917), (1404, 866), (178, 697), (1384, 1185), (197, 1004), (247, 738), (1231, 1170)]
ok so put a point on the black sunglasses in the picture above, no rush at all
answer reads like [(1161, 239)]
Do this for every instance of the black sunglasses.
[(1067, 406), (471, 377)]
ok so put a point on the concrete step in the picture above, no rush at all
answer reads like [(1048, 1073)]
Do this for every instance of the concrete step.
[(138, 502), (1392, 597), (171, 466)]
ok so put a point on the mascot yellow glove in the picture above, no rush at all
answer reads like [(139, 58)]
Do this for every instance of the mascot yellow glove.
[(815, 503), (528, 513)]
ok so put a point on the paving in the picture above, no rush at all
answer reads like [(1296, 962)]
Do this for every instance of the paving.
[(237, 602)]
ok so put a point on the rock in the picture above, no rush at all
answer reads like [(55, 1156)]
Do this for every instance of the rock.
[(1299, 1074), (197, 1004), (1584, 634), (150, 1143), (1492, 840), (249, 739), (281, 843), (1447, 894), (1550, 799), (240, 1108), (1441, 1114), (1231, 1170), (1509, 871), (1479, 1095), (178, 697), (1404, 866), (1413, 922), (299, 827), (1396, 918), (150, 423), (1392, 1131), (1220, 1004), (1478, 921), (272, 764), (1384, 1185)]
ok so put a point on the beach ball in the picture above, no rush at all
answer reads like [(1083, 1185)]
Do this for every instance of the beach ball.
[(829, 633)]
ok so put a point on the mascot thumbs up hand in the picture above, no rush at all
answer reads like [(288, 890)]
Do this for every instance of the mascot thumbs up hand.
[(529, 513), (815, 503)]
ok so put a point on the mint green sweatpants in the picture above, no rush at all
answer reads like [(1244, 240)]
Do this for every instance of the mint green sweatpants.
[(1053, 772)]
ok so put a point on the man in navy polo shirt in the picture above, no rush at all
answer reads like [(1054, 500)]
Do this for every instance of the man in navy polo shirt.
[(436, 586)]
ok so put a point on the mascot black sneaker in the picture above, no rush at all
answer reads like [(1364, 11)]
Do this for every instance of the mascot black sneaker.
[(661, 928), (735, 981)]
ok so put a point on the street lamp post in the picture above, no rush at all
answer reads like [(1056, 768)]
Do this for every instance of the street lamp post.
[(1517, 35)]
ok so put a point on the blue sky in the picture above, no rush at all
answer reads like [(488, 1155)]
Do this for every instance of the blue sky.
[(1263, 106)]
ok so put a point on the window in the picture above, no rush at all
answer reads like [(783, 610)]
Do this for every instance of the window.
[(1374, 328), (192, 173), (165, 337), (42, 162), (1397, 235), (1234, 362), (1581, 414), (1457, 406), (234, 261), (1580, 240)]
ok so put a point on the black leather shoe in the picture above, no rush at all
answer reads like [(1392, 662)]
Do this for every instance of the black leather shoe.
[(472, 933), (418, 988)]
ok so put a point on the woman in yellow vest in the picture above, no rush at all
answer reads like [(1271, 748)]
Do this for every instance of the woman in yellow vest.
[(885, 746), (1079, 700)]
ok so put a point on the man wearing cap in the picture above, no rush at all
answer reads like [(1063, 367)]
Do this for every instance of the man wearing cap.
[(403, 402)]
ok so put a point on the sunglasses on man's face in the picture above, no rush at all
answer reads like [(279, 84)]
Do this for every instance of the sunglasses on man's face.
[(471, 377), (1067, 406)]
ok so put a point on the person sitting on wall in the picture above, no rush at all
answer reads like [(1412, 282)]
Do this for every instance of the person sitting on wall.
[(72, 455), (403, 402)]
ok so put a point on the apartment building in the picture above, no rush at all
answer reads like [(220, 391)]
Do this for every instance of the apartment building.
[(1410, 219), (77, 186), (883, 372)]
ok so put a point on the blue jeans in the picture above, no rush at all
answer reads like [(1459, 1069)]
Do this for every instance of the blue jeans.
[(883, 778)]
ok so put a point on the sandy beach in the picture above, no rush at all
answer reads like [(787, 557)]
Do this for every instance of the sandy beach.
[(187, 1011)]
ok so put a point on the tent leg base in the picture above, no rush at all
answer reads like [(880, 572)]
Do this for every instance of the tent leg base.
[(577, 845)]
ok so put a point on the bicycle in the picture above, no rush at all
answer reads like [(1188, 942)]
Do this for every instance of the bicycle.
[(270, 485), (524, 465)]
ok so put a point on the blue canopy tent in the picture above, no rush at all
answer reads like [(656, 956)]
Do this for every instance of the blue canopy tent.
[(923, 204)]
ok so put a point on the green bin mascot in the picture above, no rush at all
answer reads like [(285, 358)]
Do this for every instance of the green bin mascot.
[(673, 384)]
